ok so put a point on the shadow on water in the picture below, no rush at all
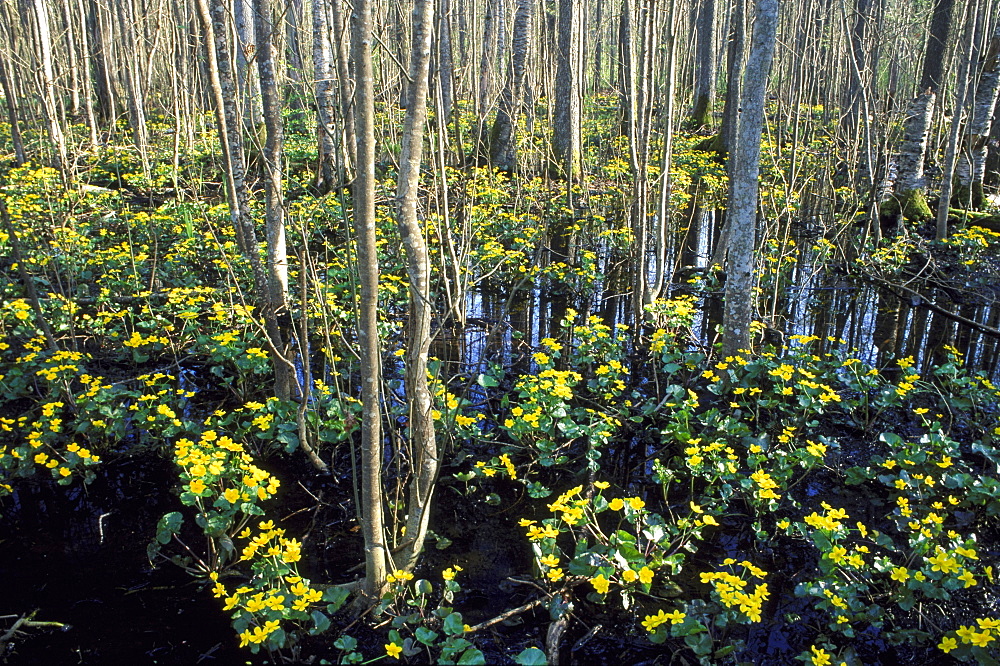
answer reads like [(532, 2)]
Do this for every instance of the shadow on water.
[(77, 555)]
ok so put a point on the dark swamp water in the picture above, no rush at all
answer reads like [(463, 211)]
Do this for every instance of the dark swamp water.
[(77, 555)]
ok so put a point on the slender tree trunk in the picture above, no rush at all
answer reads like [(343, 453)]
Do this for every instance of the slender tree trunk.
[(910, 198), (734, 69), (503, 153), (345, 89), (100, 56), (48, 91), (276, 309), (133, 84), (326, 172), (293, 62), (704, 84), (566, 123), (231, 136), (424, 452), (744, 189), (961, 102), (971, 168), (368, 340), (245, 46), (485, 98), (446, 63), (10, 98), (86, 81)]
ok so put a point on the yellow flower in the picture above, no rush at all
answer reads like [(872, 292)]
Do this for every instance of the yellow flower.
[(636, 503), (600, 583), (900, 574), (617, 504), (645, 575), (197, 486), (820, 657), (629, 576), (556, 574), (709, 520), (948, 644), (967, 578), (601, 485), (449, 573), (393, 650), (232, 495)]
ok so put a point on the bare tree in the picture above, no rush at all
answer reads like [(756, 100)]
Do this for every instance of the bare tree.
[(276, 305), (503, 154), (10, 100), (971, 168), (704, 82), (910, 197), (425, 459), (566, 122), (368, 341), (744, 189), (326, 172), (48, 83)]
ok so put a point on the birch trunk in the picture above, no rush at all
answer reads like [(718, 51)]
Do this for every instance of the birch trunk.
[(425, 460), (346, 86), (326, 173), (704, 83), (566, 123), (368, 340), (971, 168), (503, 151), (10, 99), (744, 189), (910, 199), (50, 104), (276, 308)]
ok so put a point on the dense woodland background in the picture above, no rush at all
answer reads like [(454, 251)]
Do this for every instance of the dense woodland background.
[(713, 274)]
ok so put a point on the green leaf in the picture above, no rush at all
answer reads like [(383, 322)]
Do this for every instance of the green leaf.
[(346, 643), (335, 596), (531, 657), (487, 381), (453, 625), (472, 657), (700, 643), (320, 622), (169, 525), (426, 636)]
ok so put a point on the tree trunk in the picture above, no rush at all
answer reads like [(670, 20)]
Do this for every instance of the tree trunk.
[(734, 68), (910, 199), (99, 54), (744, 189), (10, 99), (423, 445), (326, 172), (346, 85), (368, 340), (446, 63), (566, 123), (48, 91), (133, 84), (503, 154), (704, 82), (961, 102), (971, 168), (276, 308)]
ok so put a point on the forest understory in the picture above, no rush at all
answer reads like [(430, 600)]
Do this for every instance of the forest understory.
[(502, 334)]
